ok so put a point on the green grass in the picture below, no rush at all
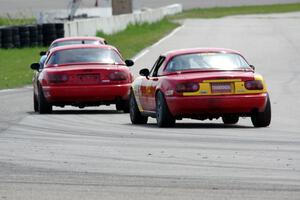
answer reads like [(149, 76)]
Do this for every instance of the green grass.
[(137, 37), (12, 22), (15, 66), (218, 12)]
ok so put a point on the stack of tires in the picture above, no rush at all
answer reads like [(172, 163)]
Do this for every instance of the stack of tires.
[(49, 33), (0, 38), (6, 37), (16, 37), (24, 36), (30, 35), (40, 34), (33, 36), (60, 30)]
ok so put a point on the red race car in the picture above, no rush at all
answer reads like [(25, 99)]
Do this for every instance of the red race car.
[(71, 41), (82, 75), (200, 84)]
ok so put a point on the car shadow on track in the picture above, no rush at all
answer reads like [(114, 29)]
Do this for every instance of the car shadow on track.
[(197, 126), (80, 112)]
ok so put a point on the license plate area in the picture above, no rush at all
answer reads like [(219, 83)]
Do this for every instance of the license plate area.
[(221, 88), (88, 78)]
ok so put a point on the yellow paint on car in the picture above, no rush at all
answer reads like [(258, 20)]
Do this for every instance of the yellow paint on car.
[(237, 86)]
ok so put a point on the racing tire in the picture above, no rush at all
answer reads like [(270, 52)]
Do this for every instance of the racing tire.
[(230, 119), (35, 103), (163, 116), (123, 106), (135, 115), (43, 106), (262, 119)]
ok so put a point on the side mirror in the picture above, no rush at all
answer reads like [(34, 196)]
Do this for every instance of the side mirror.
[(42, 53), (129, 63), (35, 66), (145, 72), (252, 67)]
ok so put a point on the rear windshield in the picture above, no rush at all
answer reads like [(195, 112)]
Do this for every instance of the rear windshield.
[(207, 61), (85, 55), (74, 42)]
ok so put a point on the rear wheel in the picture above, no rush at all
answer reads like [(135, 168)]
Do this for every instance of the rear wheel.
[(35, 103), (262, 119), (43, 105), (230, 119), (123, 105), (135, 115), (163, 116)]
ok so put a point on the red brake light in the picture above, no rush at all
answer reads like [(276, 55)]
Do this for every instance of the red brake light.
[(118, 76), (57, 78), (254, 85), (187, 87)]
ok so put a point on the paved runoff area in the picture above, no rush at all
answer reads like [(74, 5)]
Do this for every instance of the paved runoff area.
[(97, 153)]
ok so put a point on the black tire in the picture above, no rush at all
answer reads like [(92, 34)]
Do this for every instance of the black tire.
[(0, 37), (230, 119), (24, 36), (163, 116), (44, 106), (262, 119), (7, 45), (35, 103), (123, 105), (135, 115), (7, 39)]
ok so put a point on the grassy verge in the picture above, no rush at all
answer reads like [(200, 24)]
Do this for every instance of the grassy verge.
[(12, 22), (241, 10), (137, 37), (15, 66)]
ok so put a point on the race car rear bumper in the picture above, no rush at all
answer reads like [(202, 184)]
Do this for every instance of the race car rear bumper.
[(216, 105), (85, 94)]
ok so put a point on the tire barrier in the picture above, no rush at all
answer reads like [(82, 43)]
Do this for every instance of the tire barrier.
[(49, 33), (24, 36), (60, 30), (7, 38), (0, 38), (30, 35), (40, 34), (16, 37)]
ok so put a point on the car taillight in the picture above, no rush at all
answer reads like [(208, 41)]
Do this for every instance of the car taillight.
[(57, 78), (118, 76), (187, 87), (254, 85)]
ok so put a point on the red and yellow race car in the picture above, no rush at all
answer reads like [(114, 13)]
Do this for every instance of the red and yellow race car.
[(82, 75), (200, 84)]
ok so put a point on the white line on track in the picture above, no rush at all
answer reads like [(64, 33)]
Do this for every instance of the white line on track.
[(145, 51)]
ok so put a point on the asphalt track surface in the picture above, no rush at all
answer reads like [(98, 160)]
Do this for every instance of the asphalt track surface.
[(97, 153), (17, 8)]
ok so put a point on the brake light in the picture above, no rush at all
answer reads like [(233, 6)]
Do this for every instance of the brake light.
[(118, 76), (57, 78), (187, 87), (254, 85)]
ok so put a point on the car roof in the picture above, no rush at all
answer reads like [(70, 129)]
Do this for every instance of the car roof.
[(198, 50), (78, 38), (82, 46)]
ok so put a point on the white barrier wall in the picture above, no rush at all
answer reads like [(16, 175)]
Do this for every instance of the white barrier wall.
[(114, 24)]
